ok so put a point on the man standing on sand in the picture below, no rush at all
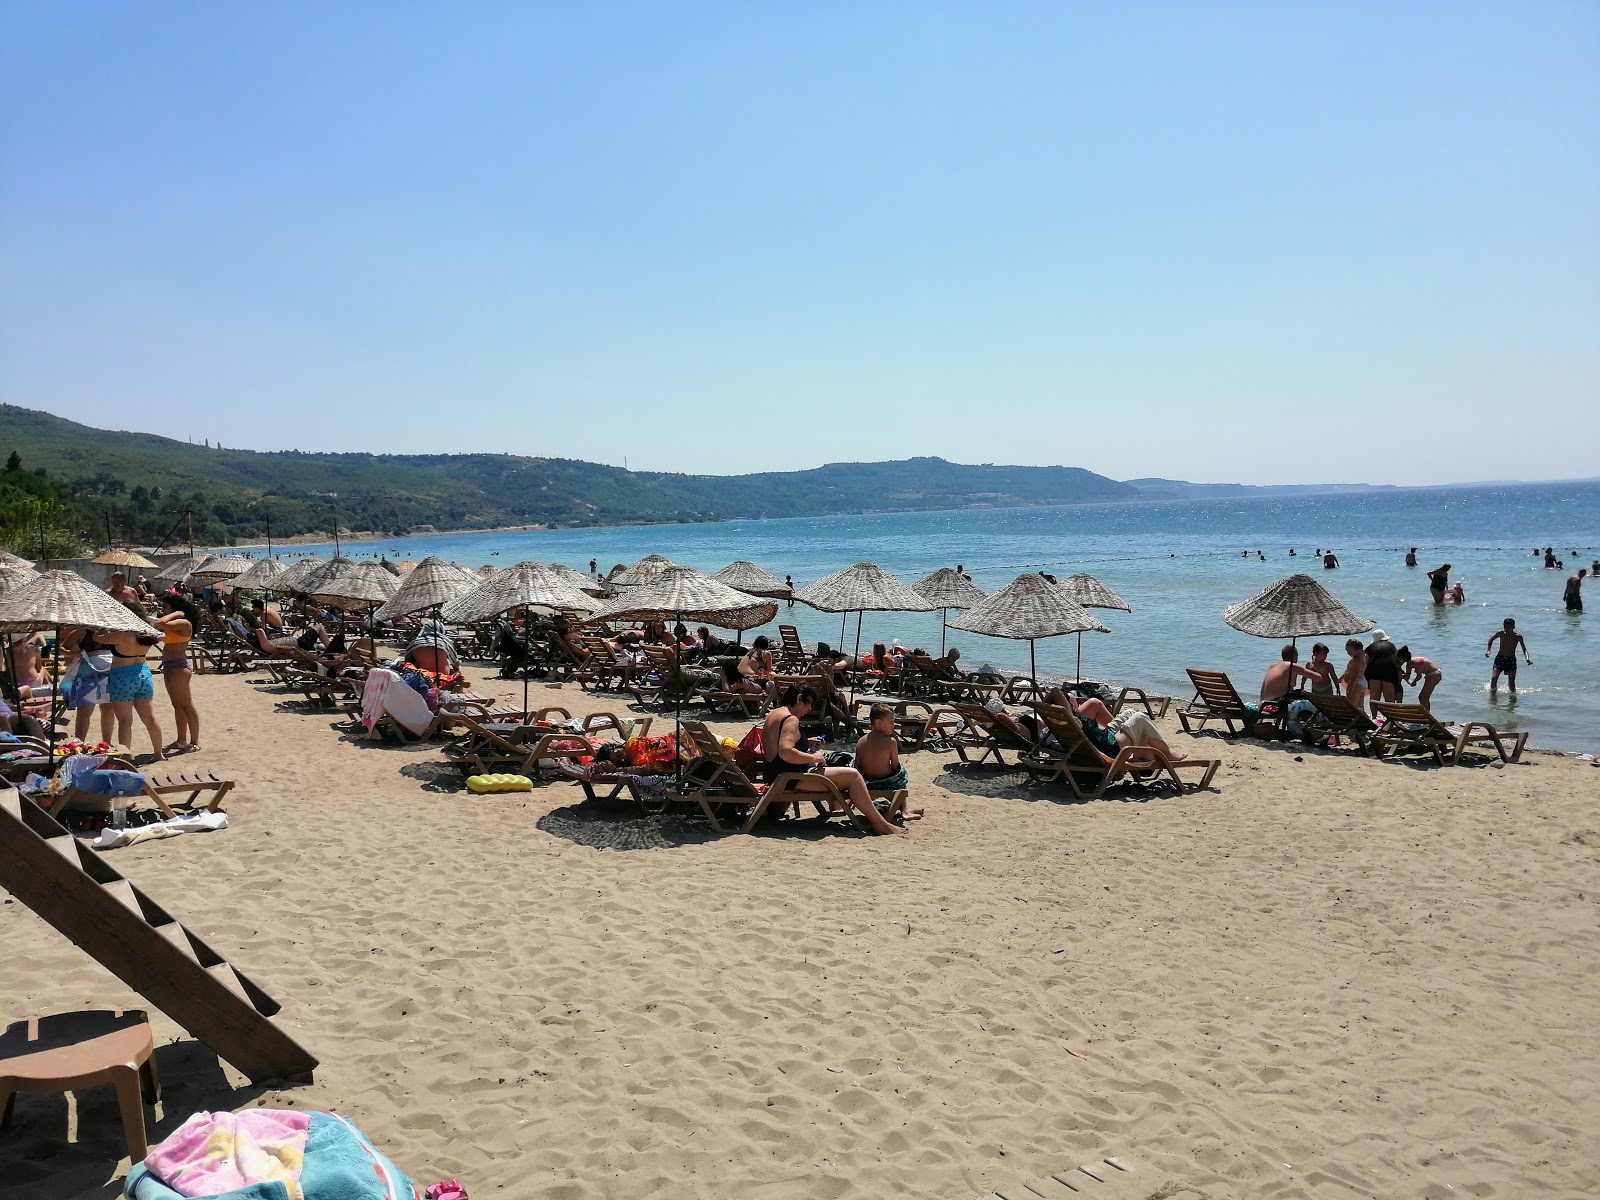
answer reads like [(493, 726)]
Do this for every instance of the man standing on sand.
[(1505, 659), (1574, 593)]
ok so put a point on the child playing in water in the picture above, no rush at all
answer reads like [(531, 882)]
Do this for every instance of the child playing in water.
[(1505, 659), (1415, 669)]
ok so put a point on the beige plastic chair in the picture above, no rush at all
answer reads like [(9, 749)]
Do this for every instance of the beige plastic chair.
[(74, 1050)]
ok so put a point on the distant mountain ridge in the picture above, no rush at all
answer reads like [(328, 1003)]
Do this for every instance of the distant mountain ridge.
[(1184, 490), (143, 482)]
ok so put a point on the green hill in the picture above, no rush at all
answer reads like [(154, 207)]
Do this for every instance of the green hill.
[(145, 484)]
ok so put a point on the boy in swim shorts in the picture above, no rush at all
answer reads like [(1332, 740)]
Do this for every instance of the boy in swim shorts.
[(1505, 658)]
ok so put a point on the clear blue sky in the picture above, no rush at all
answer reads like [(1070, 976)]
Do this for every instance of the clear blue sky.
[(1254, 242)]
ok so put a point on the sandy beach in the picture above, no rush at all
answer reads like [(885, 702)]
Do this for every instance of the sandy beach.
[(1324, 977)]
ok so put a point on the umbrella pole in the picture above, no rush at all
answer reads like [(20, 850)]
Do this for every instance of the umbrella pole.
[(1080, 656), (944, 615), (843, 621), (850, 710), (1033, 668)]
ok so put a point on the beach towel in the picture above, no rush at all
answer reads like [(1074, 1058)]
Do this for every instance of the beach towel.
[(267, 1154), (386, 694)]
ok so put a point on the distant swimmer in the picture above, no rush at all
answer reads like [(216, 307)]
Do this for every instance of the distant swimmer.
[(1291, 552), (1411, 557), (594, 566), (1438, 581), (1573, 596), (1550, 560), (1330, 561), (1505, 658)]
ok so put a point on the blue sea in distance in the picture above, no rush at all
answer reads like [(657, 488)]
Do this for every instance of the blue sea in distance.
[(1178, 564)]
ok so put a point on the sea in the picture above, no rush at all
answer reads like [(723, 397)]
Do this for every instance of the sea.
[(1178, 564)]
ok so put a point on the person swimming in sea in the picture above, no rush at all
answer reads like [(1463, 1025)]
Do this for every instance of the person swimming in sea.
[(1411, 557)]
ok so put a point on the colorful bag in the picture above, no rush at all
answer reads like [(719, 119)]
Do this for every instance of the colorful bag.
[(748, 750)]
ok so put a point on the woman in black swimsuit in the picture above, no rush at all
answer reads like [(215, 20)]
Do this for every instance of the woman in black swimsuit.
[(1438, 580), (1383, 668), (782, 754)]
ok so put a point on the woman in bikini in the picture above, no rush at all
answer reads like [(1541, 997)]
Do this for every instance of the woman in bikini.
[(177, 624), (756, 664), (1355, 674), (781, 754), (130, 687), (1415, 669)]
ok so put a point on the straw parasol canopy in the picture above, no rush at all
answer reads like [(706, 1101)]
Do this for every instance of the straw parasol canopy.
[(525, 584), (1026, 609), (684, 594), (59, 598), (15, 560), (13, 576), (219, 567), (747, 577), (262, 574), (1295, 607), (295, 574), (947, 588), (432, 583), (576, 578), (487, 571), (122, 558), (646, 568), (1091, 593), (864, 587), (173, 572), (410, 565), (359, 583)]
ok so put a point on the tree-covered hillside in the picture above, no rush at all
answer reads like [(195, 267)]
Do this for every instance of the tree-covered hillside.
[(145, 485)]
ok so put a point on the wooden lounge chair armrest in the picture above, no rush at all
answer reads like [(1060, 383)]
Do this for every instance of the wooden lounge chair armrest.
[(544, 714)]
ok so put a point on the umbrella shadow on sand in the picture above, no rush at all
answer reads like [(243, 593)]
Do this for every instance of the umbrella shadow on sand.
[(440, 777), (988, 782), (620, 826)]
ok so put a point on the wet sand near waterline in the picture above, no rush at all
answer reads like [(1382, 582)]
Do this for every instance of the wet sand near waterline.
[(1325, 977)]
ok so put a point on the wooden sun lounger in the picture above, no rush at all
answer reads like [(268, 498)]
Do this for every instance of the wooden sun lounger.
[(791, 654), (1410, 726), (913, 729), (158, 789), (1216, 699), (1154, 706), (987, 735), (492, 747), (1079, 764), (1336, 717)]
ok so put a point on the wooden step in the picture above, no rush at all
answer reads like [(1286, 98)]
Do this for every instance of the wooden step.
[(123, 891)]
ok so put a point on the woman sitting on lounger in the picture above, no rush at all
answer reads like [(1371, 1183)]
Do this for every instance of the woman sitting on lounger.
[(782, 753), (1108, 733)]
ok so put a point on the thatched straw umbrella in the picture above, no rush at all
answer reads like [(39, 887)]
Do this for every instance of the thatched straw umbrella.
[(1091, 593), (1026, 609), (294, 575), (59, 598), (487, 571), (645, 569), (525, 585), (123, 558), (684, 594), (219, 567), (173, 572), (262, 573), (861, 589), (410, 565), (13, 576), (947, 588), (577, 579), (15, 560), (1294, 607), (362, 583), (432, 583), (746, 577)]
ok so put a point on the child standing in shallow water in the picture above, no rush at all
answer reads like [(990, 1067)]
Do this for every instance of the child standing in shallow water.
[(1326, 682), (1415, 669), (1505, 658), (1355, 674)]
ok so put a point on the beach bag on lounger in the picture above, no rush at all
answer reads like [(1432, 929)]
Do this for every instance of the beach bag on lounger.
[(749, 749), (267, 1154)]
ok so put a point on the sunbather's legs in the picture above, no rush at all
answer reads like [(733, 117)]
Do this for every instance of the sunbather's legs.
[(850, 780)]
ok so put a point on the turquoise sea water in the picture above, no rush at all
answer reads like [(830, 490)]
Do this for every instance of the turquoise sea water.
[(1178, 564)]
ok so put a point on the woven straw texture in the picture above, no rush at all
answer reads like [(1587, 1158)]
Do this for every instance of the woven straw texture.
[(487, 571), (1298, 606), (16, 560), (645, 569), (746, 577), (862, 588), (295, 574), (59, 598), (577, 579), (219, 567), (682, 593), (1091, 593), (173, 572), (358, 583), (527, 583), (13, 576), (262, 573), (1028, 607), (122, 558), (432, 582), (947, 588)]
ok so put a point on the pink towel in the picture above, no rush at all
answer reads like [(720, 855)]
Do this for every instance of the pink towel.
[(212, 1153)]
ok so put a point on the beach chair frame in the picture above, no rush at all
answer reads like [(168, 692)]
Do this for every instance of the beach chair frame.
[(1075, 758), (1410, 726)]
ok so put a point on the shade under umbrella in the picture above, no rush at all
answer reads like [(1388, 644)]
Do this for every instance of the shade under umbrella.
[(16, 560), (645, 569), (1091, 593), (947, 588), (357, 583), (219, 567), (1294, 607), (747, 577), (13, 576), (520, 586), (293, 575), (684, 594), (122, 558), (173, 572), (262, 573), (1026, 609), (432, 583)]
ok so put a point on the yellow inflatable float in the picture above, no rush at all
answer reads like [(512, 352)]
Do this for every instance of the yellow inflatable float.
[(499, 783)]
